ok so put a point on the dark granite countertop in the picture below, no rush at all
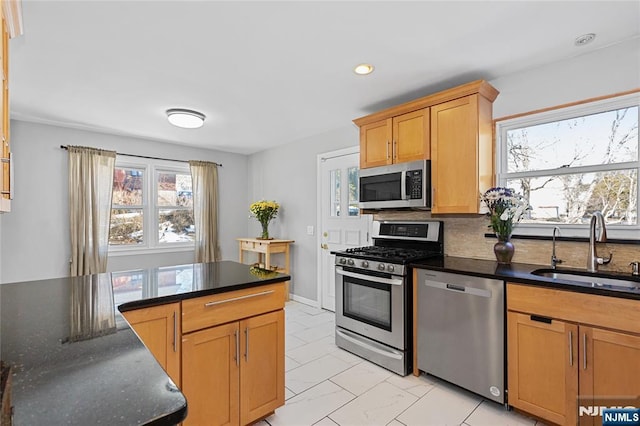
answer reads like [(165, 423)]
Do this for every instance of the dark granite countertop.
[(523, 273), (85, 366)]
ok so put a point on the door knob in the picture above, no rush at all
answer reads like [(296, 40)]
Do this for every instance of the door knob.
[(324, 246)]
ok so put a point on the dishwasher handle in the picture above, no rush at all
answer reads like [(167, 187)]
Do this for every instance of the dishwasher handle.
[(460, 289)]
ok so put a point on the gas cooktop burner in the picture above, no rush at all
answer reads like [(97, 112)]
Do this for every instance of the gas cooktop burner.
[(389, 252)]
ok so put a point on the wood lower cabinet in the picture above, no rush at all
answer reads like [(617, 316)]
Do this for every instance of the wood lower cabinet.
[(159, 328), (562, 353), (543, 378), (211, 377), (233, 355), (397, 139)]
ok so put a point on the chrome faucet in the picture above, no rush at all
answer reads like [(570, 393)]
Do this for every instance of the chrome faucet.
[(597, 220), (554, 258)]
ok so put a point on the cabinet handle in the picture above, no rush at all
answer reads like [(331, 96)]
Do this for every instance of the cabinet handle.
[(571, 348), (584, 351), (246, 341), (539, 318), (433, 197), (388, 148), (233, 299), (395, 150), (175, 332), (237, 357)]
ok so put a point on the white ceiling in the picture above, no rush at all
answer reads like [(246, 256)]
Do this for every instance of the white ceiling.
[(268, 73)]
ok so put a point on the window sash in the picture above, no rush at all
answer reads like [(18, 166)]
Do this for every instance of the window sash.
[(559, 114)]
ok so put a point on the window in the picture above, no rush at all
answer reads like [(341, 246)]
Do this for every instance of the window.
[(570, 162), (152, 207), (127, 207), (174, 207)]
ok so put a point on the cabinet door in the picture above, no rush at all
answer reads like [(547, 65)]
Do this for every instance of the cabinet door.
[(210, 375), (542, 367), (454, 155), (411, 136), (609, 367), (375, 144), (159, 328), (262, 366), (5, 178)]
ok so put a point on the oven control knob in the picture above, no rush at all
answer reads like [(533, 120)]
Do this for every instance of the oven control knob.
[(365, 264), (351, 262), (390, 268), (381, 266), (342, 260)]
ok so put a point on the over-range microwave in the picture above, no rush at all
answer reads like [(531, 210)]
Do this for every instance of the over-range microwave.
[(396, 186)]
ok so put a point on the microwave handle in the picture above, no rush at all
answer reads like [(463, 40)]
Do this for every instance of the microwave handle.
[(403, 186)]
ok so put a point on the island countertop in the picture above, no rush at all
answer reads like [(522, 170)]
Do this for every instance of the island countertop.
[(75, 360)]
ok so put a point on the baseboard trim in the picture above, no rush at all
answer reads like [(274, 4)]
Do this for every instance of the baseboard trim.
[(306, 301)]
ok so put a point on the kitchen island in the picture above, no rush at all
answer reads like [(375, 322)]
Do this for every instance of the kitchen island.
[(76, 360)]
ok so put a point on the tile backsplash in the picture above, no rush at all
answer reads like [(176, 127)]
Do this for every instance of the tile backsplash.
[(464, 237)]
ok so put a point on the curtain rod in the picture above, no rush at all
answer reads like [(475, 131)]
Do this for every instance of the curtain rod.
[(150, 158)]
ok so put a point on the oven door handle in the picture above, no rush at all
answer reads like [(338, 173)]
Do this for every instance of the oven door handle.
[(373, 278)]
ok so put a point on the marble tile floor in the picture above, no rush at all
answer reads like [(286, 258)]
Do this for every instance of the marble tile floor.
[(327, 386)]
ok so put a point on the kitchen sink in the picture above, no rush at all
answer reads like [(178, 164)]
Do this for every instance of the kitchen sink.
[(593, 280)]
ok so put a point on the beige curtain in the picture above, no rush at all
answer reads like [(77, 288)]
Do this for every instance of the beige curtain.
[(90, 186), (204, 178), (92, 307)]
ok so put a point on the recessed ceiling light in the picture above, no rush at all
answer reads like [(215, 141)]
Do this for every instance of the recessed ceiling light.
[(584, 39), (185, 118), (363, 69)]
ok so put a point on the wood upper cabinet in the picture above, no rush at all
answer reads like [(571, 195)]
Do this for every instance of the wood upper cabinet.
[(461, 154), (563, 352), (159, 328), (233, 355), (453, 128), (6, 175), (398, 139)]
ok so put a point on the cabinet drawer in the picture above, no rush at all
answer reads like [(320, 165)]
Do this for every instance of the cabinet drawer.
[(208, 311), (254, 246), (604, 311)]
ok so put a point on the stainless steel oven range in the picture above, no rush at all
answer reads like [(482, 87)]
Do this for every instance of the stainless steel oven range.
[(374, 292)]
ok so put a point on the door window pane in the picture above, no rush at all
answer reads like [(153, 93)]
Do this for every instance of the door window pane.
[(335, 192), (354, 210)]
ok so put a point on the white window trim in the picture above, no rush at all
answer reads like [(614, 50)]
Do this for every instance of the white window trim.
[(151, 243), (557, 114)]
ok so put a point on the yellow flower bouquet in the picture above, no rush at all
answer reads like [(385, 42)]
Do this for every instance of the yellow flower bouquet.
[(264, 211)]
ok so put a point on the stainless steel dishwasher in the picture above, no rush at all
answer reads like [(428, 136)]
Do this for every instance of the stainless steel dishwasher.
[(461, 331)]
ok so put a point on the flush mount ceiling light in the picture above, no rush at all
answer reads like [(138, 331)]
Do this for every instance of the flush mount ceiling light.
[(185, 118), (363, 69), (584, 39)]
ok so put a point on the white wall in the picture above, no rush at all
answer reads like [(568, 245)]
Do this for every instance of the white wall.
[(35, 235), (288, 174), (604, 72)]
